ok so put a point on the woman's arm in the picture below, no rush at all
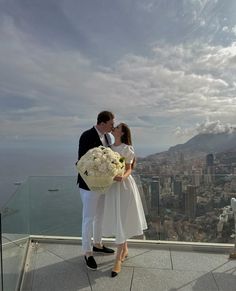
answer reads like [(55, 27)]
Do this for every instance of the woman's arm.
[(128, 170)]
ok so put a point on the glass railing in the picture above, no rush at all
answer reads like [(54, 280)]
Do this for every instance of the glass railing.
[(55, 207), (177, 208), (188, 208), (15, 234), (1, 259), (40, 206)]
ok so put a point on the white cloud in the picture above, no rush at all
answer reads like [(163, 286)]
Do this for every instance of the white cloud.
[(184, 80), (234, 29), (205, 127), (225, 28), (214, 127), (173, 86)]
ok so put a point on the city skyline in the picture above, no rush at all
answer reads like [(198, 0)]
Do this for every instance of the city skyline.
[(165, 68), (188, 198)]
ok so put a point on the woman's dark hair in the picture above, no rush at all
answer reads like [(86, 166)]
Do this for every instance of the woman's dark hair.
[(104, 116), (126, 138)]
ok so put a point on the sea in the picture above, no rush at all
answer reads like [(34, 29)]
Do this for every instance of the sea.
[(38, 191), (19, 163)]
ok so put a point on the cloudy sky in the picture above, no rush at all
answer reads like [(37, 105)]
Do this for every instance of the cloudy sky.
[(165, 67)]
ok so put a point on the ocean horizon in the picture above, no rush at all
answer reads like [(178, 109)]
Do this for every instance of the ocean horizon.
[(17, 163)]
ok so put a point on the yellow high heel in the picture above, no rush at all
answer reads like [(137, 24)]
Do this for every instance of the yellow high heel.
[(116, 269)]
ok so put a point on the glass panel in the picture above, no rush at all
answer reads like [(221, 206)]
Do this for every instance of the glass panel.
[(15, 234), (55, 206), (191, 208), (1, 263)]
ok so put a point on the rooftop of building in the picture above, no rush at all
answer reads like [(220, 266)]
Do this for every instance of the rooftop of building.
[(41, 248), (59, 265)]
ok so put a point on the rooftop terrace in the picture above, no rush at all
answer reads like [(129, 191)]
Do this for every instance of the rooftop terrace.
[(57, 265), (41, 250)]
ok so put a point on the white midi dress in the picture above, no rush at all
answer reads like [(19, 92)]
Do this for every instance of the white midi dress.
[(123, 211)]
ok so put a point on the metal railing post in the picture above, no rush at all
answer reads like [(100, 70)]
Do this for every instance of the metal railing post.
[(1, 258), (233, 205)]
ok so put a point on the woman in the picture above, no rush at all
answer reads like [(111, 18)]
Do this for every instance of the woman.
[(123, 215)]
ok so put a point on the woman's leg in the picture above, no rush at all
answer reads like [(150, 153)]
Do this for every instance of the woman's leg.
[(117, 265), (125, 252)]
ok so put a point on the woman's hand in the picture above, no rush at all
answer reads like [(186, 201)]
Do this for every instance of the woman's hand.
[(118, 178), (128, 171)]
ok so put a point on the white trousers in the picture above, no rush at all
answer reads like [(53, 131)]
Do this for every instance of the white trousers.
[(93, 210)]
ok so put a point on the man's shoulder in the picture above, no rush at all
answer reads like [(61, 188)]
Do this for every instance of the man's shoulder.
[(89, 132)]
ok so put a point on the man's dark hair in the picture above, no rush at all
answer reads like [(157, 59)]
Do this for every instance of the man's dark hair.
[(104, 116)]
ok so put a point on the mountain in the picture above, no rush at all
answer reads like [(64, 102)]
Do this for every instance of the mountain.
[(199, 146), (208, 143)]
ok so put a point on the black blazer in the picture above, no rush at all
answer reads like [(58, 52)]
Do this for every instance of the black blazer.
[(88, 140)]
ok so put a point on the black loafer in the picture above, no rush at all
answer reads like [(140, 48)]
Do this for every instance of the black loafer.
[(91, 263), (103, 250)]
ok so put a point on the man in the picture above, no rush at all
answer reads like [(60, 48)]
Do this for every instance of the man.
[(93, 203)]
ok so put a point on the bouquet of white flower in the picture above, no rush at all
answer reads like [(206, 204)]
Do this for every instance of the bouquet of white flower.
[(99, 166)]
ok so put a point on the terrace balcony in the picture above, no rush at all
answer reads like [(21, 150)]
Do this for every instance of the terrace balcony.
[(41, 247)]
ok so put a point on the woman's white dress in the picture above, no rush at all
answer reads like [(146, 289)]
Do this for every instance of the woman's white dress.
[(123, 213)]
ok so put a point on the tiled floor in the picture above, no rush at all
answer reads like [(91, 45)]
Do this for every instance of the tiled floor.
[(60, 267)]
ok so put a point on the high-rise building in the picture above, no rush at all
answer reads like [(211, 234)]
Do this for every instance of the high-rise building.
[(177, 187), (190, 201), (197, 176), (147, 195), (210, 169), (233, 184), (155, 194), (209, 160)]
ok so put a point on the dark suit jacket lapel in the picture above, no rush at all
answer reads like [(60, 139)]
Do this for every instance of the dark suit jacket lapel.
[(96, 136), (108, 140)]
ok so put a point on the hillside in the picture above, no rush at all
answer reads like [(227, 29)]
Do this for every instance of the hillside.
[(207, 143)]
